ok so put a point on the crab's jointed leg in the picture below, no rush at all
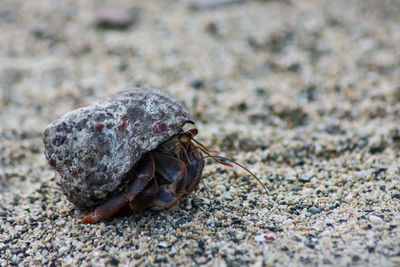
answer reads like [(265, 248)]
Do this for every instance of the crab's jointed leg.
[(143, 174), (171, 178), (194, 162)]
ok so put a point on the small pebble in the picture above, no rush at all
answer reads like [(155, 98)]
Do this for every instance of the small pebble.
[(375, 219), (114, 262), (204, 4), (115, 18), (314, 210), (269, 238), (162, 244)]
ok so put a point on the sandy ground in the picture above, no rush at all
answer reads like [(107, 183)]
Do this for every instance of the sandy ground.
[(305, 93)]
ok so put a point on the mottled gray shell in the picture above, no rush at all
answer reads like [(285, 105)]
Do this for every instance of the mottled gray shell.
[(94, 147)]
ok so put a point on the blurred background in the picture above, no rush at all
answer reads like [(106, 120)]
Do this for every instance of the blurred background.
[(270, 60)]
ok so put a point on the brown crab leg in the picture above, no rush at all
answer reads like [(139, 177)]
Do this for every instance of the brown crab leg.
[(144, 173), (145, 199), (170, 168), (172, 181), (195, 162), (106, 210)]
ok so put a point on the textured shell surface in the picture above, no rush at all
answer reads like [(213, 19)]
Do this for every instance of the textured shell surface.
[(93, 148)]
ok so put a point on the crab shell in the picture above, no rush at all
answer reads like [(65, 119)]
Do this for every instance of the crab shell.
[(93, 148)]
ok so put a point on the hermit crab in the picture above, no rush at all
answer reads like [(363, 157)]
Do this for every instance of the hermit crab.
[(132, 151)]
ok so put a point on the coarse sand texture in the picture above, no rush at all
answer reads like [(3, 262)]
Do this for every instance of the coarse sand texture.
[(306, 94)]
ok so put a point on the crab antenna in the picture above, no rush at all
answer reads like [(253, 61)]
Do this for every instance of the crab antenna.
[(204, 147), (246, 169), (217, 160), (220, 158)]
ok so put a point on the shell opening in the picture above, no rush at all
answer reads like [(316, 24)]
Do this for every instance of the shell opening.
[(188, 126)]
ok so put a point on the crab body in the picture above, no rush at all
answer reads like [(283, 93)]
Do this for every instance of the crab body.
[(125, 152)]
